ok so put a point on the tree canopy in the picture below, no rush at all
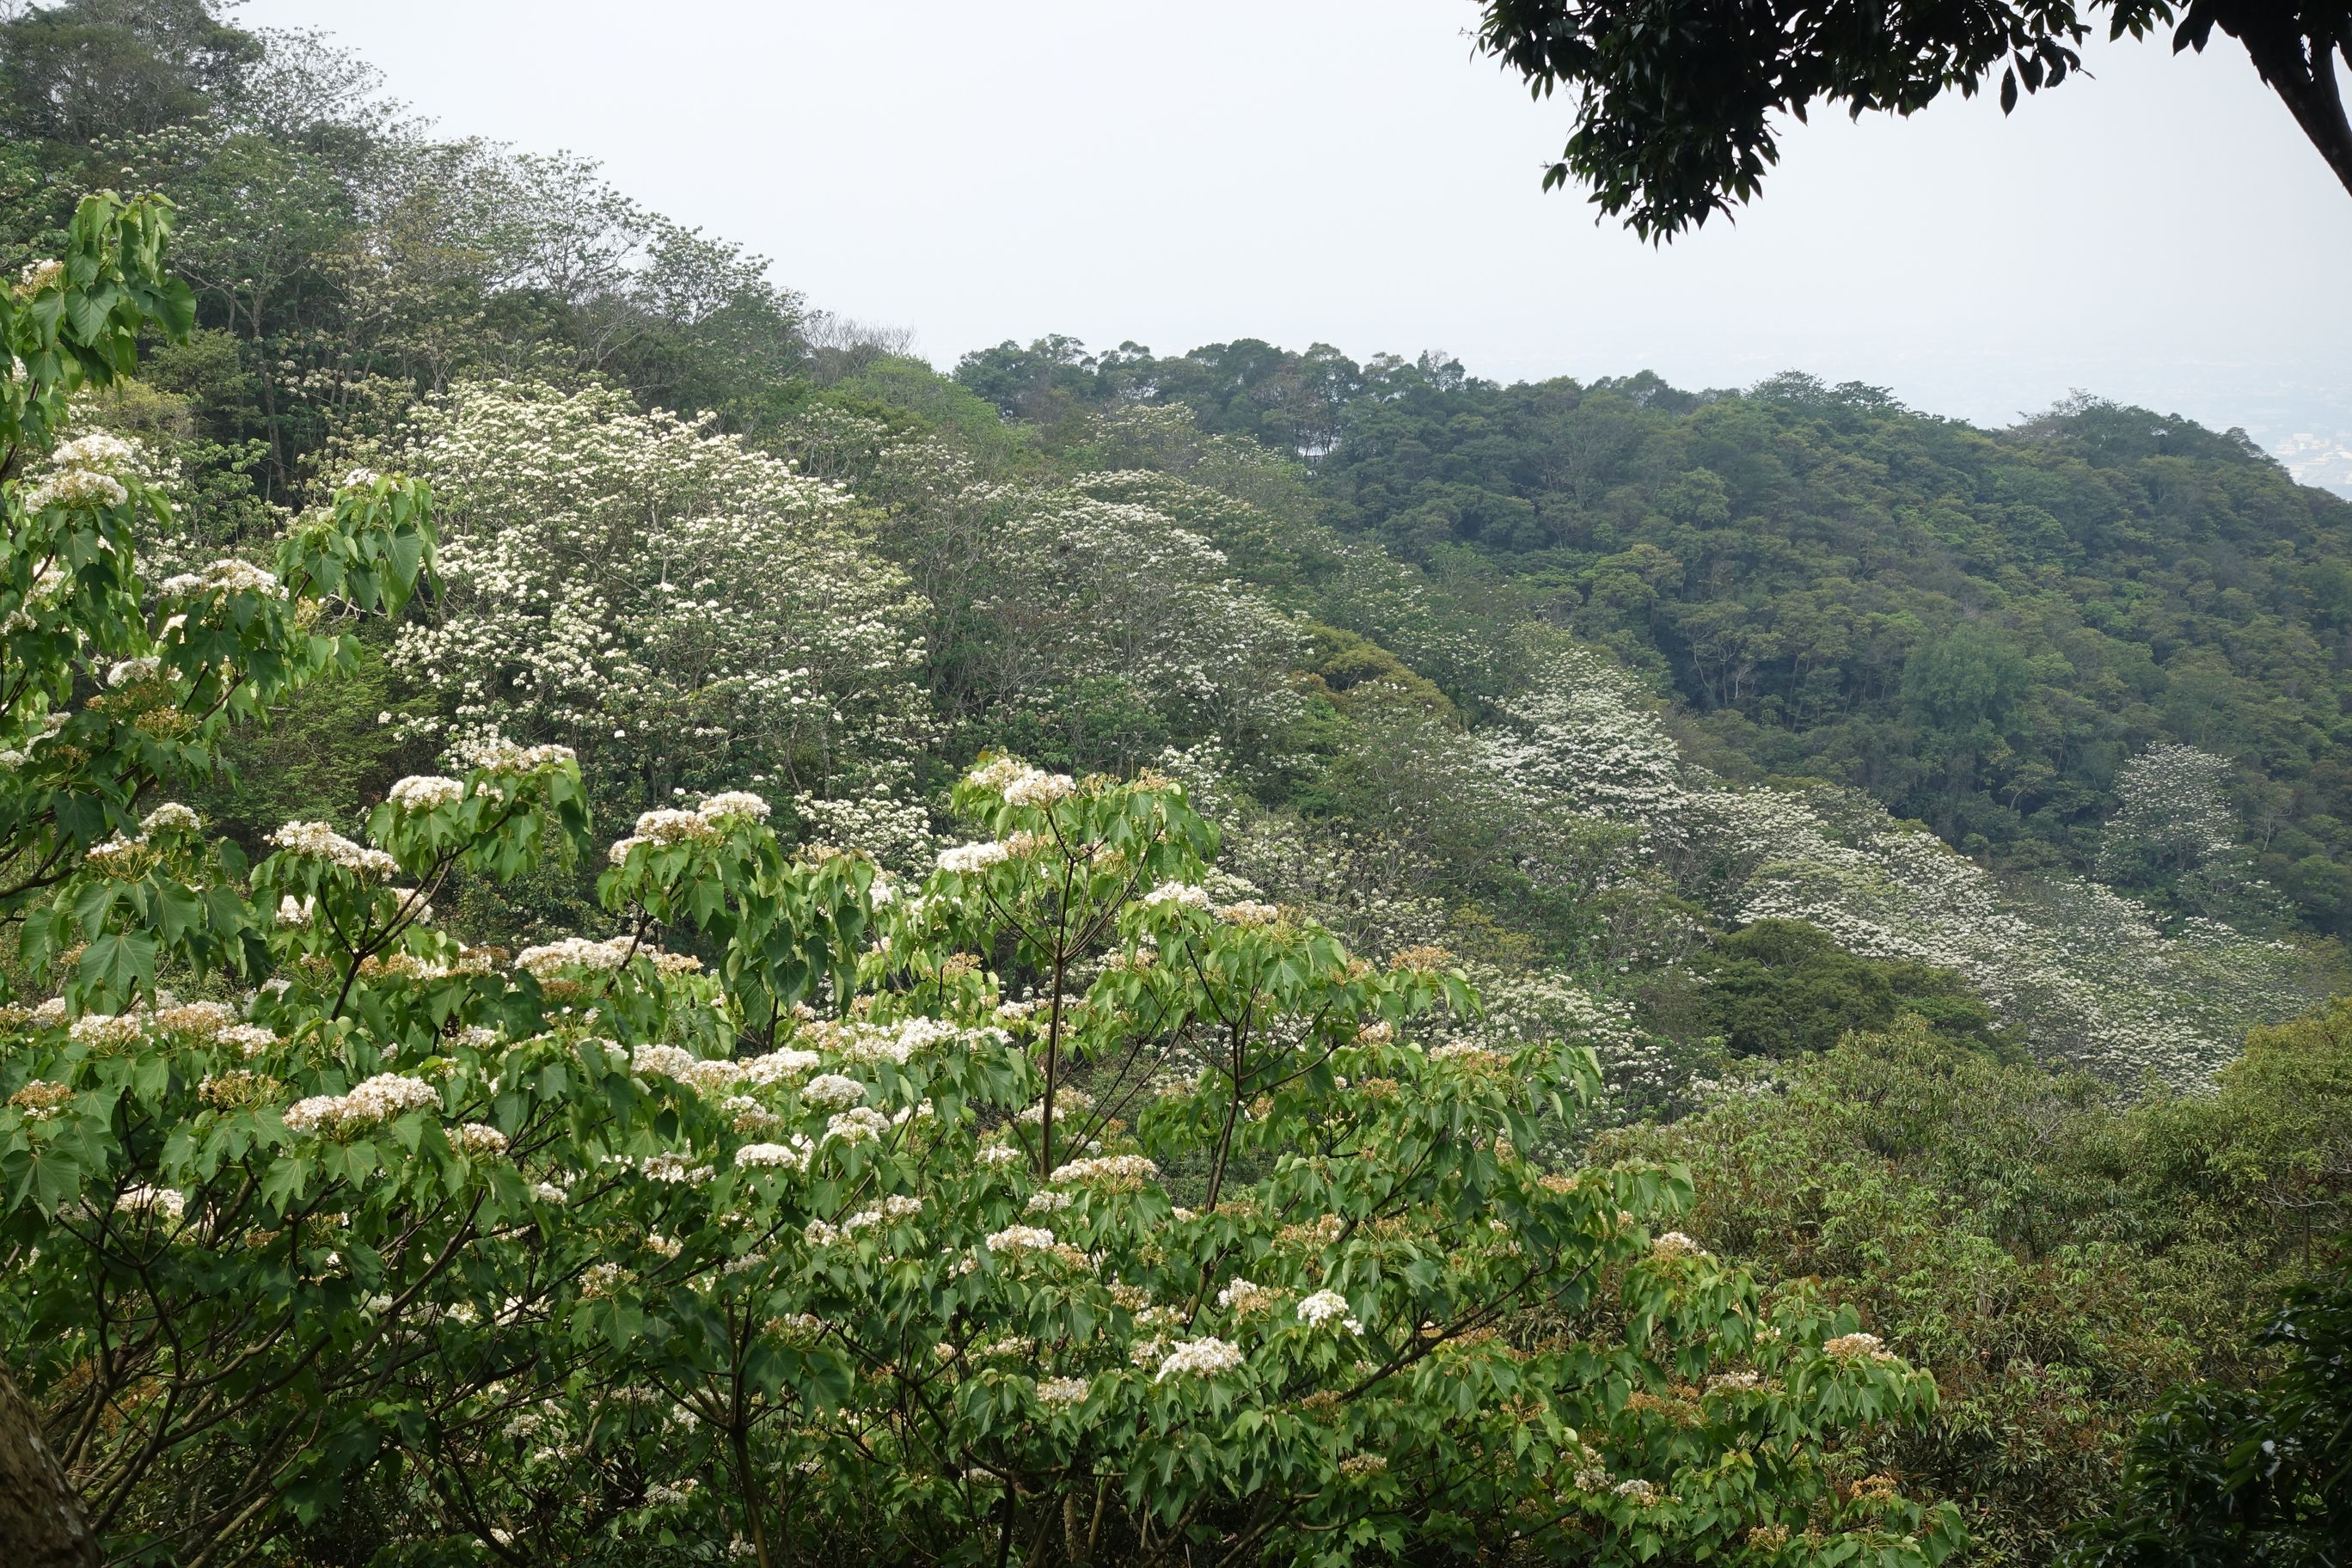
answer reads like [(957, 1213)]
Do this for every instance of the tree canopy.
[(1676, 104)]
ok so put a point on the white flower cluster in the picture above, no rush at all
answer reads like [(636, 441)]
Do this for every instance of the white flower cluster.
[(963, 860), (1117, 579), (673, 1170), (859, 1124), (171, 818), (1183, 895), (380, 1099), (162, 1201), (1063, 1391), (663, 1061), (857, 1040), (732, 806), (646, 585), (1858, 1347), (229, 575), (548, 960), (1249, 912), (897, 1207), (1036, 788), (1329, 1307), (1118, 1171), (1198, 1358), (779, 1066), (316, 840), (2068, 966), (1241, 1295), (251, 1039), (1065, 1101), (106, 1030), (1017, 1238), (2174, 813), (667, 825), (496, 754), (204, 1019), (478, 1138), (792, 1156), (425, 792), (41, 1098), (1025, 786), (115, 856), (82, 473), (833, 1091)]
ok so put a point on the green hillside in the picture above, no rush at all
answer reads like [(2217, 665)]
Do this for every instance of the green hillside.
[(1979, 628), (635, 929)]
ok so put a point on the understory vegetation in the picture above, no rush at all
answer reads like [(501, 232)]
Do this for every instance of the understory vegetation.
[(640, 929)]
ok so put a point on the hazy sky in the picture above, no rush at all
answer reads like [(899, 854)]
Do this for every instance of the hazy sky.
[(1342, 170)]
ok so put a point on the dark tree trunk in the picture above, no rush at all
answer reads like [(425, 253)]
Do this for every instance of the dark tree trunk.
[(40, 1516)]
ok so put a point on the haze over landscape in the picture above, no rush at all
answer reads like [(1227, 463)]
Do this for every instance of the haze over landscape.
[(1342, 171)]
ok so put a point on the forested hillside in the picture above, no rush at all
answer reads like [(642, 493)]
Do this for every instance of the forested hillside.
[(1231, 957), (1977, 628)]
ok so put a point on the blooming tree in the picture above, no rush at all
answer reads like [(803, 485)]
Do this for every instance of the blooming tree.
[(831, 1243), (680, 610), (2074, 969)]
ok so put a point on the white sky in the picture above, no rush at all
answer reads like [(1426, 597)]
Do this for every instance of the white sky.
[(1181, 172)]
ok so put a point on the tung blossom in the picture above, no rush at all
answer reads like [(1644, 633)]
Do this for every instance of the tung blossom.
[(967, 858), (1329, 1307), (316, 840), (378, 1099), (1198, 1358), (1063, 1391), (425, 792), (792, 1156)]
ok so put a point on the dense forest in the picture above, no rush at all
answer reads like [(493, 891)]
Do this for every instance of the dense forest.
[(1233, 957), (1979, 628)]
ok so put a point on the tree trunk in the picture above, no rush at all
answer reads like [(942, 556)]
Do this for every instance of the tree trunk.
[(40, 1515)]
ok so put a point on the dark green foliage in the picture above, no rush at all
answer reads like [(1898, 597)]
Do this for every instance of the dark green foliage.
[(2058, 1259), (1783, 988), (2257, 1476), (89, 68), (1679, 105), (324, 745), (1340, 661)]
